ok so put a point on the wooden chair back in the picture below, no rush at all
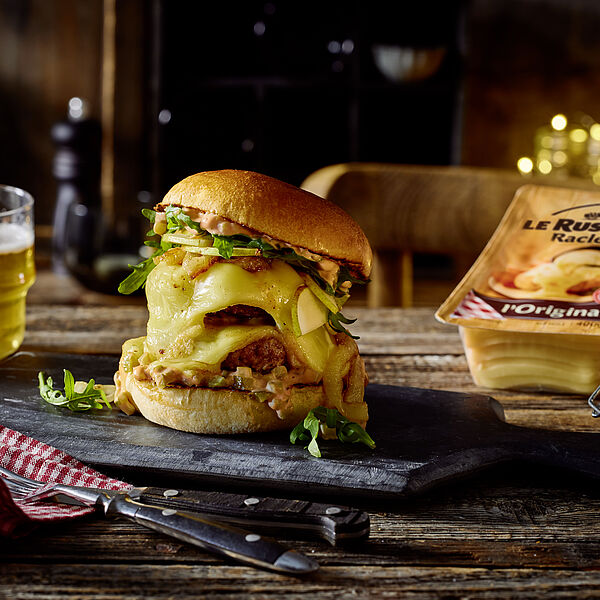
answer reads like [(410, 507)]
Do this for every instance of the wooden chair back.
[(406, 209)]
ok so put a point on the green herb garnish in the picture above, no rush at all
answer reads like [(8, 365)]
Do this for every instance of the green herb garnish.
[(149, 214), (177, 220), (75, 401), (225, 245), (347, 431), (335, 321), (137, 278), (344, 275)]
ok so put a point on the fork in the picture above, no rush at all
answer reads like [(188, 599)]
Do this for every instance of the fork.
[(241, 545), (23, 487)]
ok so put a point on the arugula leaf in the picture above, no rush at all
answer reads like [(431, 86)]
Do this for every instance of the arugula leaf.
[(139, 273), (344, 275), (177, 219), (69, 384), (149, 214), (335, 321), (224, 244), (311, 423), (347, 431), (75, 401), (137, 278)]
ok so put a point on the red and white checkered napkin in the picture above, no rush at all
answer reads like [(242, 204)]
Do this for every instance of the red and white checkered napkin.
[(474, 307), (28, 457)]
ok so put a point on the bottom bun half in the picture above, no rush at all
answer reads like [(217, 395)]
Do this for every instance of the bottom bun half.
[(217, 411)]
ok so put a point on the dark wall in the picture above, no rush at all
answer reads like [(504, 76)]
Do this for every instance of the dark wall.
[(50, 50), (287, 87)]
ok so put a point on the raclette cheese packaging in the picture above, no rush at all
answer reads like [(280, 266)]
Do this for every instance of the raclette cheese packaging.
[(529, 309)]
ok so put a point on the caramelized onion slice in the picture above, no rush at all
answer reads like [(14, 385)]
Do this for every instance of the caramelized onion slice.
[(356, 382), (196, 265), (337, 368)]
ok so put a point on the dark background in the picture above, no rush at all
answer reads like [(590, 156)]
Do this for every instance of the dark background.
[(271, 90), (268, 86)]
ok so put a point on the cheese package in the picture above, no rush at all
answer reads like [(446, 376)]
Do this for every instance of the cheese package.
[(529, 308)]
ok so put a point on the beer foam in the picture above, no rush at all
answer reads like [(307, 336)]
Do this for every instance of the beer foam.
[(15, 237)]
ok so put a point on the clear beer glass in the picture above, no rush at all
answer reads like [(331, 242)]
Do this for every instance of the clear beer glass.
[(17, 270)]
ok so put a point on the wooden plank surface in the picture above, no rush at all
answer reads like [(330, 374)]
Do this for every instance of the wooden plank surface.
[(485, 539), (507, 533)]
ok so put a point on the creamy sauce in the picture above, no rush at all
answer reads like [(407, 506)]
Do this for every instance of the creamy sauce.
[(280, 401), (217, 225)]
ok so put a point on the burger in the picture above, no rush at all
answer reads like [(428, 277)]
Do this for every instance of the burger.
[(245, 290)]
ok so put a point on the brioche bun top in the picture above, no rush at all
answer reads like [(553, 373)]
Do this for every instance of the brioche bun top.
[(279, 210)]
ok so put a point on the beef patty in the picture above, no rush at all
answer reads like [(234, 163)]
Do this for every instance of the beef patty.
[(238, 313), (262, 356)]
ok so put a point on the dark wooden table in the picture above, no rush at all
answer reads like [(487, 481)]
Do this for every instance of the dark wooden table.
[(506, 533)]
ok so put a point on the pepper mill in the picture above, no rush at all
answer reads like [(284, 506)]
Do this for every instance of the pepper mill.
[(76, 168), (84, 245)]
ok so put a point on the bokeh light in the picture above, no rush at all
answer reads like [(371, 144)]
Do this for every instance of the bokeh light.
[(544, 167), (559, 122), (559, 158), (578, 135), (525, 165)]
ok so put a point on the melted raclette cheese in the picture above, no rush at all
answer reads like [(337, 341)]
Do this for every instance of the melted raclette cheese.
[(176, 334), (557, 278)]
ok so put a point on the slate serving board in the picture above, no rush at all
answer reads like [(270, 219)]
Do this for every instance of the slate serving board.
[(424, 437)]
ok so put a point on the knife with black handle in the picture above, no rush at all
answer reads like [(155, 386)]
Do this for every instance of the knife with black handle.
[(243, 546), (299, 518), (209, 534)]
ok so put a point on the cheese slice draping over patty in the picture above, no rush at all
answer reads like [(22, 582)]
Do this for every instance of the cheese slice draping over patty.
[(178, 337)]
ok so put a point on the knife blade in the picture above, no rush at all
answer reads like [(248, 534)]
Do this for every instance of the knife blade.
[(241, 545)]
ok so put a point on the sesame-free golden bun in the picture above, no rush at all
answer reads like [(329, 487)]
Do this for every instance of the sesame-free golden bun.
[(279, 210), (215, 411)]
